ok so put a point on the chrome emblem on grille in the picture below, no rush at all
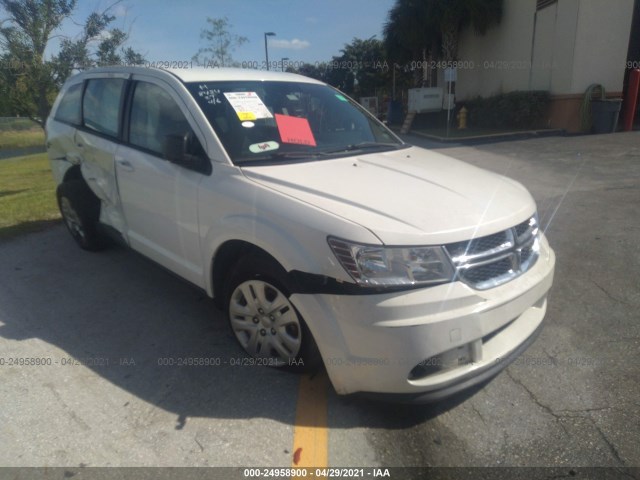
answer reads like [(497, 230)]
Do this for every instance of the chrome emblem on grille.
[(492, 260)]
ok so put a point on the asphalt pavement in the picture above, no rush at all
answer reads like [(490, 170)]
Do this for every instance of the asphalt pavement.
[(96, 334), (18, 152)]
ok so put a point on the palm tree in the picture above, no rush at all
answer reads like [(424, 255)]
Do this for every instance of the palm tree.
[(412, 34), (418, 26), (412, 27), (459, 14)]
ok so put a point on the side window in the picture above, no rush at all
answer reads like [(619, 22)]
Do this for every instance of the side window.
[(101, 105), (154, 116), (69, 109)]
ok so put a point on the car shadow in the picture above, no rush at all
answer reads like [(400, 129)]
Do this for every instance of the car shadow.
[(155, 336)]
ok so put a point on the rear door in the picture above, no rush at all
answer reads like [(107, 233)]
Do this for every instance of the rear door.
[(159, 198), (97, 139), (61, 131)]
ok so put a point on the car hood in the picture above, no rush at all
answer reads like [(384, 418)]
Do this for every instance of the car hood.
[(410, 196)]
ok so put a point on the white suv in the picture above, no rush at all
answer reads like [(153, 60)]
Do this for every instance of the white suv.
[(324, 236)]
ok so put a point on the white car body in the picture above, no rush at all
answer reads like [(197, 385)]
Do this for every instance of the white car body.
[(370, 340)]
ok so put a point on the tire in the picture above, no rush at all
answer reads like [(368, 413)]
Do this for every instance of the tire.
[(80, 209), (263, 320)]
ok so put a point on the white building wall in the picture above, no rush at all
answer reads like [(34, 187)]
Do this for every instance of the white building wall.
[(563, 48), (564, 42), (553, 46), (602, 41), (542, 62), (501, 56)]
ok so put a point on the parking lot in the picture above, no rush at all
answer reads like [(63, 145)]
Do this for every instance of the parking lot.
[(107, 325)]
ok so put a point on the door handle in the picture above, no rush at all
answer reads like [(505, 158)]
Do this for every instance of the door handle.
[(126, 165)]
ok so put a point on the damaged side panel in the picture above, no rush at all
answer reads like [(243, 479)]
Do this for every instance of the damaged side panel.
[(61, 147), (98, 170)]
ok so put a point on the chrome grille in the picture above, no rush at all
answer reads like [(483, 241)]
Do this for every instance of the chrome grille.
[(483, 273), (525, 254), (489, 261), (522, 228), (497, 241)]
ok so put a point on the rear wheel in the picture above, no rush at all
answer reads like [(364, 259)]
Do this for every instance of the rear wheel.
[(263, 319), (80, 210)]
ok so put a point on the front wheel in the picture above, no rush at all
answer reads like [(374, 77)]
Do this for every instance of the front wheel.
[(263, 319)]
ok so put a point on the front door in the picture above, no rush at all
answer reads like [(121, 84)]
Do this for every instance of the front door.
[(159, 198)]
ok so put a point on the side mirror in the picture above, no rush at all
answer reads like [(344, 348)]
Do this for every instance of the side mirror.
[(177, 148)]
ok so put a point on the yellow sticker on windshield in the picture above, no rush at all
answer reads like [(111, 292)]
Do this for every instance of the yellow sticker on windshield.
[(244, 116), (248, 105)]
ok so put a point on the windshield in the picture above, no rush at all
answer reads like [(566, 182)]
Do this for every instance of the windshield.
[(271, 122)]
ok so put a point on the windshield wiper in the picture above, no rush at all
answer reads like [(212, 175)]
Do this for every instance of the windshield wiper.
[(276, 157), (364, 146), (283, 157)]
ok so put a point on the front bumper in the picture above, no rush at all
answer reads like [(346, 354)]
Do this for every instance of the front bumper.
[(373, 343)]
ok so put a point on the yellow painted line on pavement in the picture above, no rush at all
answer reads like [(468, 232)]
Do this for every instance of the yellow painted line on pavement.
[(310, 434)]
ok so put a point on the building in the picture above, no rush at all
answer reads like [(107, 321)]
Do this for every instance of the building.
[(561, 46)]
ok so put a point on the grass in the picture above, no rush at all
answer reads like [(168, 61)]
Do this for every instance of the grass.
[(17, 123), (20, 133), (11, 139), (27, 195)]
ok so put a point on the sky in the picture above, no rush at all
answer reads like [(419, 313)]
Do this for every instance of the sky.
[(306, 30)]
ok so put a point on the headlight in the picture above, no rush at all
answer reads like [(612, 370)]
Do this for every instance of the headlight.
[(393, 266)]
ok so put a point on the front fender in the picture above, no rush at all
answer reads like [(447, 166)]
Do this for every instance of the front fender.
[(293, 232), (286, 249)]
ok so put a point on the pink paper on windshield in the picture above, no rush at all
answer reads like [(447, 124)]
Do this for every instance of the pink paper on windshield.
[(295, 130)]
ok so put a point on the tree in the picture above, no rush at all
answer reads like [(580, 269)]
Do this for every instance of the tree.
[(459, 14), (23, 38), (430, 29), (361, 68), (28, 79), (411, 29), (412, 36), (220, 42), (96, 46), (310, 70)]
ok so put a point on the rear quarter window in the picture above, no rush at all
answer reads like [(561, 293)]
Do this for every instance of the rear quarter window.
[(70, 108), (101, 105)]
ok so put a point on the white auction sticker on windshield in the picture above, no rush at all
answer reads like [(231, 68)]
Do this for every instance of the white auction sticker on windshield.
[(248, 105)]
